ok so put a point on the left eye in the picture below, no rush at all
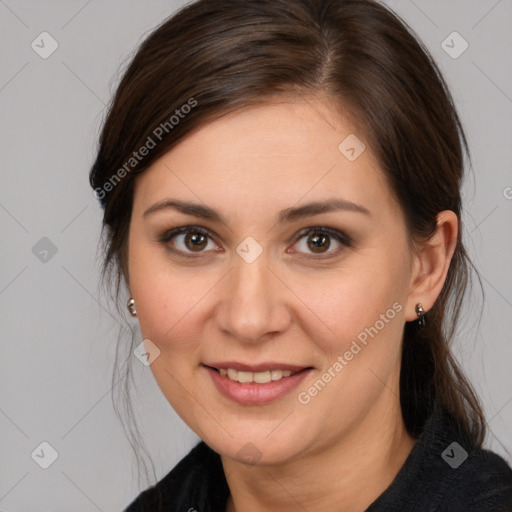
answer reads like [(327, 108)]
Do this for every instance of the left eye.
[(318, 241)]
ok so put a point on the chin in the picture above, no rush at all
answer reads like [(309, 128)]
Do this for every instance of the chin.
[(258, 448)]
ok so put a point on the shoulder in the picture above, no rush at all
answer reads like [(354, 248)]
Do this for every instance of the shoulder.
[(471, 478), (483, 483), (460, 479), (464, 477), (447, 472), (197, 481)]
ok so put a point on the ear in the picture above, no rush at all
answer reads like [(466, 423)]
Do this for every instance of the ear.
[(431, 264)]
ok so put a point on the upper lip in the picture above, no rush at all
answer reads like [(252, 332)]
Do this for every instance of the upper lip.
[(261, 367)]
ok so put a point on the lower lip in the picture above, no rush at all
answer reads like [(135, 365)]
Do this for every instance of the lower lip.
[(253, 393)]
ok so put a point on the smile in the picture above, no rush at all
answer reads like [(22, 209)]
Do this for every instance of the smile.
[(255, 385)]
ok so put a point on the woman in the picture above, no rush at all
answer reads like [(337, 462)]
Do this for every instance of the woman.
[(281, 184)]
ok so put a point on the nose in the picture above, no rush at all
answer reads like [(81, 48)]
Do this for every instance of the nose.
[(254, 302)]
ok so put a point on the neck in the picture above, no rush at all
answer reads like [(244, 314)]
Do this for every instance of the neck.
[(345, 476)]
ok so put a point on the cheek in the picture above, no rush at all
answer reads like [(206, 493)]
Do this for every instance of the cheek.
[(343, 305), (170, 307), (361, 346)]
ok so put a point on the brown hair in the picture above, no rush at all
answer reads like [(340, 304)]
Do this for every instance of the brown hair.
[(225, 54)]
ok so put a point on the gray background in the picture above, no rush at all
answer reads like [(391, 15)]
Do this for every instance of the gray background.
[(57, 334)]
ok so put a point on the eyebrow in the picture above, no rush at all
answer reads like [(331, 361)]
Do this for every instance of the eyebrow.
[(284, 216)]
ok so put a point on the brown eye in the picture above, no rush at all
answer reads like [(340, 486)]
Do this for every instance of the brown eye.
[(195, 241), (187, 240), (318, 241)]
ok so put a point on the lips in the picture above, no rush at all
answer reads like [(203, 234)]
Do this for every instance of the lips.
[(255, 384)]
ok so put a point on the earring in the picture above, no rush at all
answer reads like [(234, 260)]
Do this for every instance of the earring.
[(421, 314), (131, 307)]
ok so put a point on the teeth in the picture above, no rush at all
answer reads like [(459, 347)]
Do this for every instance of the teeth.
[(245, 377), (277, 374), (258, 377), (262, 377)]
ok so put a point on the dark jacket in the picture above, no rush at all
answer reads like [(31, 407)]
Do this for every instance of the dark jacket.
[(441, 474)]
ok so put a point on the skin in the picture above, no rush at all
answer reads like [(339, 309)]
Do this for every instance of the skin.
[(343, 448)]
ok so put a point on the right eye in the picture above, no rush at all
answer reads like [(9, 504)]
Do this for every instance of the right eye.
[(188, 240)]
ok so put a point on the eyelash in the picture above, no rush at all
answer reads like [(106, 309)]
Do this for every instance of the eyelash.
[(342, 238)]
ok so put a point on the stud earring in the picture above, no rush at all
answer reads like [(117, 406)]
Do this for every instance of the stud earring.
[(421, 314), (131, 307)]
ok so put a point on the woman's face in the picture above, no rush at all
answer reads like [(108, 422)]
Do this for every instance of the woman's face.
[(296, 259)]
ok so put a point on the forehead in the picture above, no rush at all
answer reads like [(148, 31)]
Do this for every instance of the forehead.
[(277, 153)]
